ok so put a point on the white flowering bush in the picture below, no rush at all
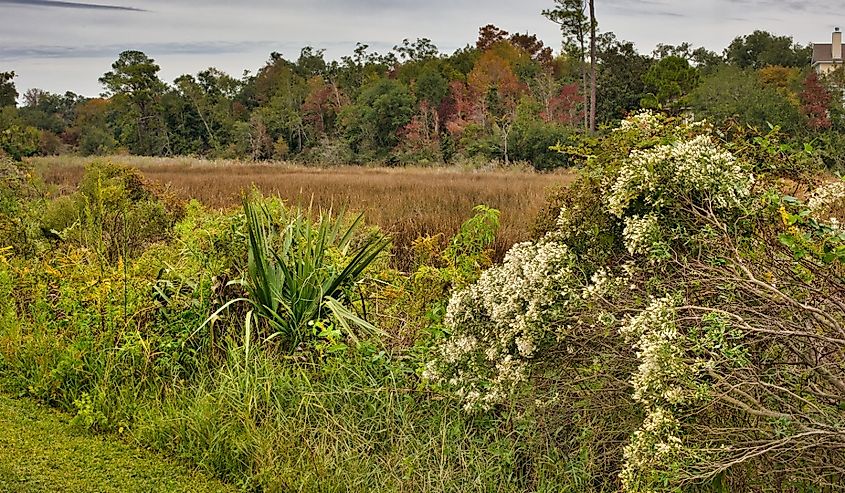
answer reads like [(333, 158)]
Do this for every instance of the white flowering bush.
[(642, 234), (643, 124), (497, 324), (656, 444), (655, 337), (653, 446), (697, 171), (668, 379), (677, 337), (815, 228)]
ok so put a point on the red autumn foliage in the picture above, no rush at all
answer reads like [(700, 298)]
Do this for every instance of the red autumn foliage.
[(459, 108), (321, 105), (566, 107), (815, 103), (493, 72)]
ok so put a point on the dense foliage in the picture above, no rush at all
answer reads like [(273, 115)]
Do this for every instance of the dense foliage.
[(506, 99), (138, 330)]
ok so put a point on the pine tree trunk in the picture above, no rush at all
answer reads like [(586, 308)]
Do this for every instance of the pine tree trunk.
[(585, 88), (592, 66)]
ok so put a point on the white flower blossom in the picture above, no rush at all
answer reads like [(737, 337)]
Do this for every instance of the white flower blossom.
[(697, 166), (498, 323), (641, 233), (826, 196)]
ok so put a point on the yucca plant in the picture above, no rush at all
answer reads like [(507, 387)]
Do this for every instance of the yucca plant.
[(301, 271)]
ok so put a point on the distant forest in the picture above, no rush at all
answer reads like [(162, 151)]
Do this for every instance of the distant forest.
[(508, 98)]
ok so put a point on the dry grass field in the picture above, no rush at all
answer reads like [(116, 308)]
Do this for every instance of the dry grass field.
[(407, 202)]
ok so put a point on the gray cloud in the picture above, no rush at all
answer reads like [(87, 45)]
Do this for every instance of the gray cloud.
[(112, 50), (70, 5)]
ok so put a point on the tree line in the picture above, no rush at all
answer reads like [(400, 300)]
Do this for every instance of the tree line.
[(506, 98)]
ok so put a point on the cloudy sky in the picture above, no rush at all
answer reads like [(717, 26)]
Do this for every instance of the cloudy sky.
[(67, 45)]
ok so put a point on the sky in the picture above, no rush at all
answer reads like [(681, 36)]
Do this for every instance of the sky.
[(67, 45)]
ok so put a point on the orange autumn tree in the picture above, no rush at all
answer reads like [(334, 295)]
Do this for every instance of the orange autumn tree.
[(498, 91)]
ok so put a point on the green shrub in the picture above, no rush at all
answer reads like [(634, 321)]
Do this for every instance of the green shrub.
[(532, 141), (413, 305), (19, 142), (113, 212), (20, 206), (829, 146), (303, 272), (96, 141)]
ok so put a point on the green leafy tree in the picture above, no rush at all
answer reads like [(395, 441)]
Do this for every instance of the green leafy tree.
[(702, 58), (136, 90), (90, 129), (373, 122), (431, 86), (311, 62), (667, 81), (19, 142), (733, 93), (532, 137), (363, 67), (47, 111), (761, 49), (283, 113), (209, 107), (418, 51), (461, 62), (8, 93), (621, 72)]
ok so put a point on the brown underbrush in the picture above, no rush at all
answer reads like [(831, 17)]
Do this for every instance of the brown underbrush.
[(409, 203)]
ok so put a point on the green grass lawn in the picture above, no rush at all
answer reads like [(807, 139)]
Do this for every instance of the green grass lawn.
[(40, 451)]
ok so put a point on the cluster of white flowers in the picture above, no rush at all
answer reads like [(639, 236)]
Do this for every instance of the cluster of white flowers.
[(657, 341), (567, 224), (563, 219), (498, 323), (827, 196), (655, 444), (697, 168), (645, 122), (603, 283), (664, 380), (640, 233)]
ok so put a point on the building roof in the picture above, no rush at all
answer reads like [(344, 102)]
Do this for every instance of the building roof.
[(822, 52)]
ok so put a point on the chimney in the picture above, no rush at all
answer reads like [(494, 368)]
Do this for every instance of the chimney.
[(837, 44)]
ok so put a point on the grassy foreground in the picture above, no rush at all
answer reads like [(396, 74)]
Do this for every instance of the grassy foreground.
[(40, 451)]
